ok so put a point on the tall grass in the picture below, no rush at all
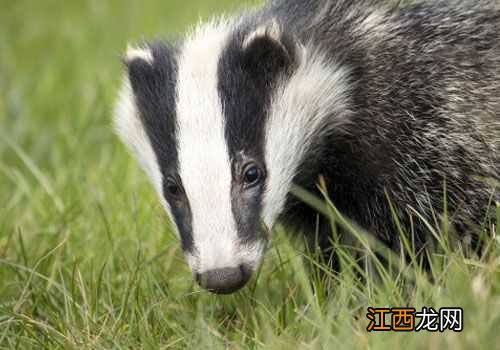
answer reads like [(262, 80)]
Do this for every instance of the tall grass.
[(88, 260)]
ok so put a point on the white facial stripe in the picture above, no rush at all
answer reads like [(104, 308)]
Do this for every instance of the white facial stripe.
[(204, 164), (131, 131), (250, 255), (308, 105)]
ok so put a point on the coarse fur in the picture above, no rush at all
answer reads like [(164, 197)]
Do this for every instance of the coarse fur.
[(393, 105)]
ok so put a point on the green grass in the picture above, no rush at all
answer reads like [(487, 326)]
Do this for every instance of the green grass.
[(87, 260)]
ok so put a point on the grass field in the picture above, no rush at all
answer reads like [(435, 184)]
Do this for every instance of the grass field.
[(87, 260)]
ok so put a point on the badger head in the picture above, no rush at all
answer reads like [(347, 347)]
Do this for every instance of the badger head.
[(221, 124)]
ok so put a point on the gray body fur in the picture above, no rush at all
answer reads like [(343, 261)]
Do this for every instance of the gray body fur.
[(425, 108)]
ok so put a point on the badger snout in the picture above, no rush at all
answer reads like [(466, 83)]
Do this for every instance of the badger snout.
[(224, 280), (225, 268)]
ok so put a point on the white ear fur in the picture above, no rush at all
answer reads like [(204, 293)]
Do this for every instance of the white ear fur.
[(271, 30), (142, 53)]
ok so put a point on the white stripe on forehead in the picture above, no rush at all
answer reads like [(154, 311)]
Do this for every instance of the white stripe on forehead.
[(204, 163), (305, 107)]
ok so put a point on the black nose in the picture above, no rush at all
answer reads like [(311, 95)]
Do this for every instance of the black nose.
[(224, 281)]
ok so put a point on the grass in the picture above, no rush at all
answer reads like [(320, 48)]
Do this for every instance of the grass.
[(87, 259)]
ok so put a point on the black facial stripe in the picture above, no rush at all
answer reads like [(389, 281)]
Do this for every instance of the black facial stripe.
[(247, 77), (245, 202), (154, 87)]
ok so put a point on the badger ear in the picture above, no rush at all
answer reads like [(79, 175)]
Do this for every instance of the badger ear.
[(267, 50), (151, 71), (140, 53), (141, 66), (151, 76)]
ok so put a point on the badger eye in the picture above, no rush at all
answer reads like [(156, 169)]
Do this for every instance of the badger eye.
[(252, 175), (172, 189)]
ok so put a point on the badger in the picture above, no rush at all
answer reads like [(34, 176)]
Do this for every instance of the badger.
[(396, 107)]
